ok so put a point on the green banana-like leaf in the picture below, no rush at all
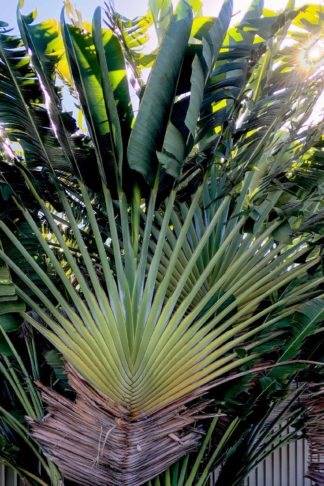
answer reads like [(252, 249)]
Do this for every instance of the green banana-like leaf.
[(150, 126), (200, 71), (133, 35), (118, 79), (162, 11), (108, 92), (22, 115), (85, 70), (45, 44), (308, 318)]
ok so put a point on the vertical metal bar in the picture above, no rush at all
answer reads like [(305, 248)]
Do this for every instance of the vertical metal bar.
[(10, 477), (281, 477), (304, 460), (276, 468), (268, 471), (292, 461), (260, 476), (284, 466), (252, 478), (2, 475), (288, 464), (299, 463)]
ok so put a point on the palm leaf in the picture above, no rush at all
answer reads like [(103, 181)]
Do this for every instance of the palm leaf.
[(165, 347)]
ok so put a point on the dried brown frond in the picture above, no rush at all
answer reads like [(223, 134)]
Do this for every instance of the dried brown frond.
[(315, 436)]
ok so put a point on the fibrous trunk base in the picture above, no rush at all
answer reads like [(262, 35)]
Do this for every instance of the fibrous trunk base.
[(95, 442)]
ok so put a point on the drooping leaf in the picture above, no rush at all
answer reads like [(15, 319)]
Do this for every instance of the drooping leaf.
[(150, 125)]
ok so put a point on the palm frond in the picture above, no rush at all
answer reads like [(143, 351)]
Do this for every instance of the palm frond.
[(165, 343)]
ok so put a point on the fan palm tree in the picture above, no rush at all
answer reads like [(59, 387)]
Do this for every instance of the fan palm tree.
[(162, 253)]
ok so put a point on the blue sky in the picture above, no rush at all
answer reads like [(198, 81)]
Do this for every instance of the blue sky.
[(52, 8), (130, 8)]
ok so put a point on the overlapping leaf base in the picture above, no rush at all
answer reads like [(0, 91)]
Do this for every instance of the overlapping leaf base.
[(93, 441)]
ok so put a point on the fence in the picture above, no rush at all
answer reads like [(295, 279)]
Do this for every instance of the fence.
[(8, 477), (286, 466)]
